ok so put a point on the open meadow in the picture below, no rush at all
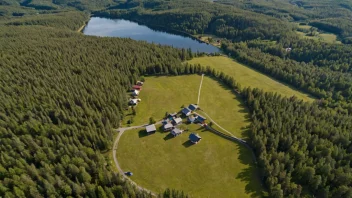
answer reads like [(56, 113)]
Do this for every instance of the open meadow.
[(248, 77), (215, 167), (163, 94)]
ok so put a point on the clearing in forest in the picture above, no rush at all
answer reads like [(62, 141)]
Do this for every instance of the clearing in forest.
[(215, 167), (248, 77)]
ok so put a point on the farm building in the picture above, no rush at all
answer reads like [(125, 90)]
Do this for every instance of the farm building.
[(191, 119), (186, 111), (176, 132), (137, 87), (140, 83), (134, 101), (172, 115), (135, 93), (177, 121), (200, 119), (194, 138), (150, 129), (192, 107), (168, 127)]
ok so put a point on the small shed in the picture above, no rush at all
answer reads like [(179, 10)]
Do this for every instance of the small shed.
[(192, 107), (133, 102), (168, 127), (136, 87), (194, 138), (191, 119), (186, 111), (177, 121), (140, 83), (200, 119), (135, 93), (172, 115), (150, 128), (176, 132)]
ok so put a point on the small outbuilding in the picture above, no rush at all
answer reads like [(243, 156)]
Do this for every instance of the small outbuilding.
[(200, 119), (176, 132), (135, 93), (192, 107), (177, 121), (136, 87), (191, 119), (186, 111), (140, 83), (172, 115), (194, 138), (150, 128), (168, 127)]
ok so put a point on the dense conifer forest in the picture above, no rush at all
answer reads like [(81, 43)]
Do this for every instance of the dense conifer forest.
[(63, 93)]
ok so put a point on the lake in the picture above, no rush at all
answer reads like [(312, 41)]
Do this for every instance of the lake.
[(127, 29)]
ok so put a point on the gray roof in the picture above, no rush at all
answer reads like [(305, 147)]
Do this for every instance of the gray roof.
[(172, 114), (168, 125), (178, 120), (150, 128), (176, 131)]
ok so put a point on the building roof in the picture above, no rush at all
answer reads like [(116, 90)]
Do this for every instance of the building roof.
[(194, 137), (150, 128), (136, 87), (178, 120), (168, 125), (173, 114), (200, 118), (133, 101), (192, 107), (186, 110), (176, 131), (191, 118)]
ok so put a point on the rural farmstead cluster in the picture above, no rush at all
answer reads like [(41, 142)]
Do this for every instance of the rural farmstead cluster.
[(172, 122)]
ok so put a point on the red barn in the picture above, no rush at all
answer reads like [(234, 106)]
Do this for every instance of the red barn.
[(136, 87)]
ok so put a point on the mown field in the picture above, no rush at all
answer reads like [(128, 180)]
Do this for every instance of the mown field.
[(168, 94), (215, 167), (326, 37), (248, 77)]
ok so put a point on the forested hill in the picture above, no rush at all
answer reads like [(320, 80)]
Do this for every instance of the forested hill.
[(198, 17), (61, 94)]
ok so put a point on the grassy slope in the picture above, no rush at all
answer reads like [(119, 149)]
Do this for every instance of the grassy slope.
[(216, 167), (167, 94), (248, 77), (224, 107)]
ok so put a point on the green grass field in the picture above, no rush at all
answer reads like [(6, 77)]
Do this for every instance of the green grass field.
[(248, 77), (326, 37), (215, 167), (167, 94)]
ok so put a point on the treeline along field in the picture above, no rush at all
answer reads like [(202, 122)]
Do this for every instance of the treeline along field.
[(62, 93)]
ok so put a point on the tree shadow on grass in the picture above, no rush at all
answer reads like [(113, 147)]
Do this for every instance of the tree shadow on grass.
[(168, 137), (187, 143), (142, 133), (251, 174)]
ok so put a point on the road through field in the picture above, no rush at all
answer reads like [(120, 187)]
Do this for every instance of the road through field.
[(116, 143)]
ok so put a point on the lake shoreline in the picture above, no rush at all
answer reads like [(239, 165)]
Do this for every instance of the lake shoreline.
[(167, 35)]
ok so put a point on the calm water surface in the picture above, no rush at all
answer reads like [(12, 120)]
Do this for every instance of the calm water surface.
[(127, 29)]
